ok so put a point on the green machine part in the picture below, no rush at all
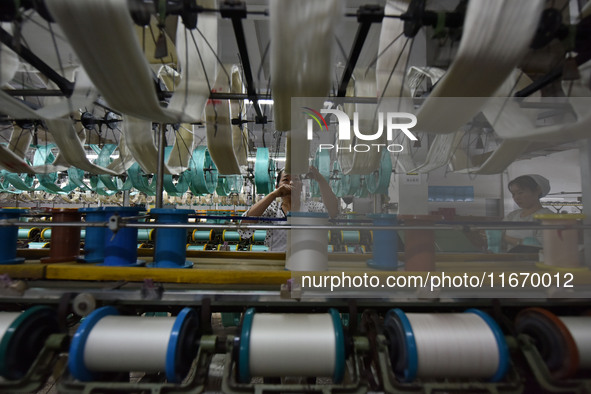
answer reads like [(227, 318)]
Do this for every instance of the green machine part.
[(203, 173)]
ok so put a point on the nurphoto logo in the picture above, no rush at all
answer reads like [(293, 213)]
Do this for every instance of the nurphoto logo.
[(393, 123)]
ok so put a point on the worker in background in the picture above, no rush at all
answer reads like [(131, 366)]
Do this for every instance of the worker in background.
[(526, 191), (284, 199)]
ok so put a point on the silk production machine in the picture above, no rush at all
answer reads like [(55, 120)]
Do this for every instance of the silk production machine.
[(136, 135)]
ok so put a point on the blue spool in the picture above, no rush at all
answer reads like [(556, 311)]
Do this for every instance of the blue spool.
[(385, 243), (170, 249), (9, 237), (403, 349), (121, 247), (94, 238), (179, 352), (76, 354)]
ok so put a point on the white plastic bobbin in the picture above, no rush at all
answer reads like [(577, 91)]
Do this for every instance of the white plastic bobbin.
[(83, 304), (277, 345), (452, 345), (108, 342)]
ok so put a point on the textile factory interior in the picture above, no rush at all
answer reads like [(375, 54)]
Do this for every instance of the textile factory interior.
[(194, 197)]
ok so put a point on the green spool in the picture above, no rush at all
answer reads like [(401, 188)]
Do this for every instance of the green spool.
[(203, 173), (202, 236), (28, 233), (144, 234), (230, 236), (259, 235), (196, 247), (351, 237), (264, 172), (259, 248), (378, 181)]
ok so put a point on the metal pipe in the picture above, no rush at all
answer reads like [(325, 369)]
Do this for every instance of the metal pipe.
[(236, 226), (160, 168)]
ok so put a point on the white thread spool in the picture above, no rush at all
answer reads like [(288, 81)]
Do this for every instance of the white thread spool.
[(277, 345), (307, 249), (454, 345), (6, 319), (580, 329), (107, 342)]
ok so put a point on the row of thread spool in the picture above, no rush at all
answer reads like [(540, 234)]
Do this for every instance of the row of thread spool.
[(419, 244), (212, 239), (417, 348), (339, 240), (102, 245), (119, 248)]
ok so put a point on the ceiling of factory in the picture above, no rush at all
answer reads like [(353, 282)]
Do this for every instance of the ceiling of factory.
[(47, 42)]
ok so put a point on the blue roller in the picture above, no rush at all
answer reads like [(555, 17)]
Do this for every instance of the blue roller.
[(121, 247), (385, 243), (170, 248), (94, 245)]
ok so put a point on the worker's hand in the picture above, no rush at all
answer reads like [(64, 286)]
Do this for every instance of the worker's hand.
[(314, 174), (283, 191)]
